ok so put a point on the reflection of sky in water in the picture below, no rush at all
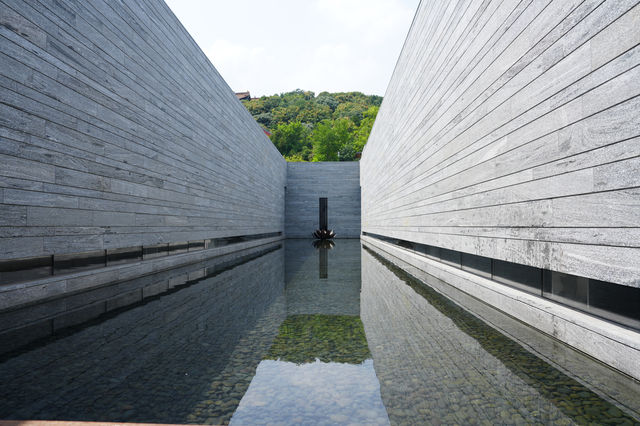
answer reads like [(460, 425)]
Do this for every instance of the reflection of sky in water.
[(318, 393), (436, 363)]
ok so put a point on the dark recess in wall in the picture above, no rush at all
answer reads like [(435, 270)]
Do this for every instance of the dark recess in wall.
[(613, 302)]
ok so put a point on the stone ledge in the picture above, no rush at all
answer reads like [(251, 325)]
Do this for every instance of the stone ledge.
[(614, 345), (17, 295)]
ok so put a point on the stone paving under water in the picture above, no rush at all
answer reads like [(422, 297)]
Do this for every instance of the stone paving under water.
[(298, 336)]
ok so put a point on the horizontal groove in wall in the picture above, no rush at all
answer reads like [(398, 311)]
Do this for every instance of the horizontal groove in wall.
[(613, 302), (105, 146), (465, 195), (416, 158), (630, 233), (183, 186), (171, 84)]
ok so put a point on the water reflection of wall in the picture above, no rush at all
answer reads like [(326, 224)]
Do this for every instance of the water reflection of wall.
[(429, 369), (318, 369), (455, 367), (32, 321), (308, 293), (164, 361)]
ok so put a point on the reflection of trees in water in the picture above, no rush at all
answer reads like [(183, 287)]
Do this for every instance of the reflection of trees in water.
[(330, 338)]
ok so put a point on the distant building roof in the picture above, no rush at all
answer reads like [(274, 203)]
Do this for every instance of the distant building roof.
[(242, 96)]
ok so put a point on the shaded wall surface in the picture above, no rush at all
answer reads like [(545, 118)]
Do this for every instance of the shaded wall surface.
[(339, 182), (116, 131), (510, 130)]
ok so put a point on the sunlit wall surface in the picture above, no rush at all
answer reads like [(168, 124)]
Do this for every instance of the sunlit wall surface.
[(510, 131)]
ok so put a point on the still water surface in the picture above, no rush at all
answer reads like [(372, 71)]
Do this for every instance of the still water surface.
[(301, 335)]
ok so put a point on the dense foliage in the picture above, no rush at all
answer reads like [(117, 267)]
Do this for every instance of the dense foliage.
[(327, 127)]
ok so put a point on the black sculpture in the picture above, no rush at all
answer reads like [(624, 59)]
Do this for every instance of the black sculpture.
[(323, 233)]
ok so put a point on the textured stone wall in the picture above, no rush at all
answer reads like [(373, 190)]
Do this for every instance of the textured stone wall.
[(116, 131), (339, 182), (511, 130)]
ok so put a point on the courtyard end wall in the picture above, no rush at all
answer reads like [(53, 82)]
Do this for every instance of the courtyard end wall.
[(339, 182)]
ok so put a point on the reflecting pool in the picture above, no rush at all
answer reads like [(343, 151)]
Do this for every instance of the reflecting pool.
[(293, 333)]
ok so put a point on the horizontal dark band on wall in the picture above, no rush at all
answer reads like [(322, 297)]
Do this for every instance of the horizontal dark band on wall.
[(27, 269), (610, 301)]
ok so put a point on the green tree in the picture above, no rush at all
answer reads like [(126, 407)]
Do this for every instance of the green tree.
[(314, 114), (265, 118), (329, 137), (290, 138), (326, 99), (339, 120), (347, 152), (362, 134), (296, 157), (350, 110)]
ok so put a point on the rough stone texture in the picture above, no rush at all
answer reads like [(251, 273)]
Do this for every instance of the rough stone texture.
[(117, 131), (339, 182), (511, 130)]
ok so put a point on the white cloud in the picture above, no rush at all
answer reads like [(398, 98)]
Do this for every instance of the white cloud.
[(270, 47), (374, 20), (236, 62), (230, 52)]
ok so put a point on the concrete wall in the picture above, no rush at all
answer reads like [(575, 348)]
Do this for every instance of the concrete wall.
[(117, 131), (307, 182), (511, 130)]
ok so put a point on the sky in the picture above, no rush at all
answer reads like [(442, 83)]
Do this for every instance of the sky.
[(274, 46)]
